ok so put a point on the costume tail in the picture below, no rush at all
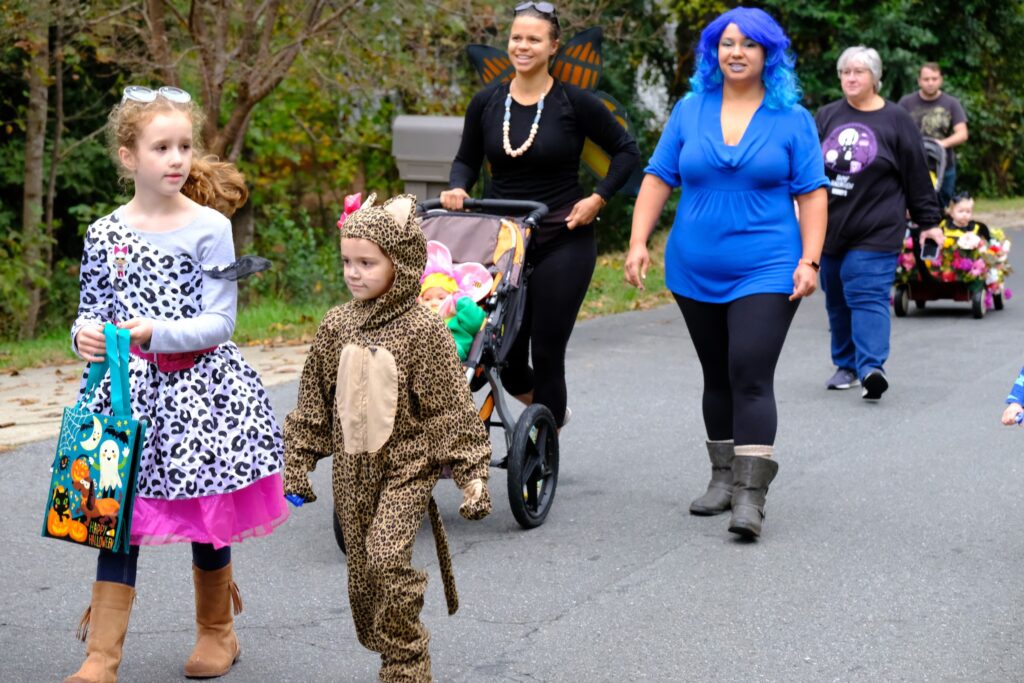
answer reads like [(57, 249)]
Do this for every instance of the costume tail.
[(444, 557)]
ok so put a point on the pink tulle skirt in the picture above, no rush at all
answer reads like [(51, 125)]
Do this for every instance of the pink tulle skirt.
[(220, 519)]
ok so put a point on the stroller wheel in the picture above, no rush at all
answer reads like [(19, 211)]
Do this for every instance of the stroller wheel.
[(997, 302), (533, 466), (339, 538)]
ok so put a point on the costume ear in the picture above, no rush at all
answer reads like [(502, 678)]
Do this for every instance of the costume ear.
[(439, 259), (402, 208), (474, 280)]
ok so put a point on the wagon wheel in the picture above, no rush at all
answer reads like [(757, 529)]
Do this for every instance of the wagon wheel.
[(901, 301), (533, 466), (919, 303), (978, 303), (997, 301)]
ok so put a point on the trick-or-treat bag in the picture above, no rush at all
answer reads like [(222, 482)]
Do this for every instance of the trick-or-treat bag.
[(92, 482)]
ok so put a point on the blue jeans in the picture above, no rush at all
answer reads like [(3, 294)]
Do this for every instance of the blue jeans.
[(856, 287)]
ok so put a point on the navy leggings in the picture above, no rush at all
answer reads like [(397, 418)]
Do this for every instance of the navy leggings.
[(121, 567), (561, 272), (738, 344)]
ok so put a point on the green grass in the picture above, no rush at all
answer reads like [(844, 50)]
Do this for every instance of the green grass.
[(275, 322), (268, 322), (278, 322), (609, 292), (51, 349), (1001, 204)]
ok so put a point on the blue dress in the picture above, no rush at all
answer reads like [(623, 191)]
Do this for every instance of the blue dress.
[(735, 231)]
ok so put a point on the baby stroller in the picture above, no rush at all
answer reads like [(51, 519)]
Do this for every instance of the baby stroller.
[(499, 243), (935, 156)]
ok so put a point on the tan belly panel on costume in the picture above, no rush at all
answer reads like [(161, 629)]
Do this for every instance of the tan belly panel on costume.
[(367, 397)]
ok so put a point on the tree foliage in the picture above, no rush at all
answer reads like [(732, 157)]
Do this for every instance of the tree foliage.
[(302, 96), (970, 40)]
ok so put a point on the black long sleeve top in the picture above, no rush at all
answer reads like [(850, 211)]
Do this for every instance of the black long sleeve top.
[(548, 171), (877, 171)]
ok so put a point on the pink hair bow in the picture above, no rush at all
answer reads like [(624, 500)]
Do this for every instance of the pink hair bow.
[(352, 204), (120, 250)]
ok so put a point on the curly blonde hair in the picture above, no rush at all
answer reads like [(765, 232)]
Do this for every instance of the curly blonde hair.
[(211, 182)]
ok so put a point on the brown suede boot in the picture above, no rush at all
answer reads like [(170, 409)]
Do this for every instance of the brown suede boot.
[(104, 624), (752, 471), (718, 498), (216, 647)]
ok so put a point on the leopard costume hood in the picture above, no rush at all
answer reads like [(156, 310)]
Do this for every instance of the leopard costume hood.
[(394, 227)]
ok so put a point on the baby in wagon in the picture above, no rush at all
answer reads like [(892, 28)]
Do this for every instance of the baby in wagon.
[(960, 216), (453, 292)]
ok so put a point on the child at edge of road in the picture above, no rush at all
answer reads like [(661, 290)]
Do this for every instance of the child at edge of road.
[(210, 473), (1014, 413), (383, 391)]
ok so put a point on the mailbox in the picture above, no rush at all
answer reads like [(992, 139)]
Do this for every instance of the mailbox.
[(424, 147)]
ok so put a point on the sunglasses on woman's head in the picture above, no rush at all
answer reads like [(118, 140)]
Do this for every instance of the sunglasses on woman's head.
[(542, 7), (140, 93)]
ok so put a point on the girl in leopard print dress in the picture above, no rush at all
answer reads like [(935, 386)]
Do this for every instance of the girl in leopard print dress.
[(163, 267), (382, 391)]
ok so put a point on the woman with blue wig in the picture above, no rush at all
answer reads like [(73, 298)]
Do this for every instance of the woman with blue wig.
[(738, 258)]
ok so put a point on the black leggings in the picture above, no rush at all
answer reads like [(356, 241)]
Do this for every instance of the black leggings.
[(738, 344), (122, 567), (562, 269)]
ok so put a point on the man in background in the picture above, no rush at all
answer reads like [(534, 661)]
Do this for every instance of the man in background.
[(938, 116)]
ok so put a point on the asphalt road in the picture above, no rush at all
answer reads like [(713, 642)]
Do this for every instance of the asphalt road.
[(892, 547)]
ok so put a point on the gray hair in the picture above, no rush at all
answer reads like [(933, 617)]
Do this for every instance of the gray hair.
[(867, 57)]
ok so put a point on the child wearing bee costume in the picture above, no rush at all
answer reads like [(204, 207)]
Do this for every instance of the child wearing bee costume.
[(383, 391)]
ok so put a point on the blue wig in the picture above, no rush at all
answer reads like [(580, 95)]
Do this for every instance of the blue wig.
[(782, 87)]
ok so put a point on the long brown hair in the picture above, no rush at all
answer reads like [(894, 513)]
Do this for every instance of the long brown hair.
[(211, 182)]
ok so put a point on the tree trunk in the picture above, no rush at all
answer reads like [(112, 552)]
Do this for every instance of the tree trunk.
[(243, 228), (32, 228)]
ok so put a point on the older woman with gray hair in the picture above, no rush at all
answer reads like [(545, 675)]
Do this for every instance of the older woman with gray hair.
[(877, 171)]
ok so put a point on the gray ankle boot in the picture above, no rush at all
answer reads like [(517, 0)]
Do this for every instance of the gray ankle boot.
[(751, 475), (718, 497)]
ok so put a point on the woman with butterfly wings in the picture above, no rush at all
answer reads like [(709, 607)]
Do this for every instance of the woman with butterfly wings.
[(532, 125)]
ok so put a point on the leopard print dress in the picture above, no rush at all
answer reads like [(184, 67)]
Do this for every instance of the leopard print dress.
[(382, 391)]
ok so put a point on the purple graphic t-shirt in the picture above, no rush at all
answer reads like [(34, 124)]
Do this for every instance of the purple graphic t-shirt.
[(876, 168), (850, 148)]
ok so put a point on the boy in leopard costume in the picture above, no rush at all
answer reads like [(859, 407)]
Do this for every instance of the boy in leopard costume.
[(382, 390)]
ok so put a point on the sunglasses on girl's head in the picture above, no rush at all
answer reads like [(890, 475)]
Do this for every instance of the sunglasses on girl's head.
[(542, 7), (140, 93), (961, 196)]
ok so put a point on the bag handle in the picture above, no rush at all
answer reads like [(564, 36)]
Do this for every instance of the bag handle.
[(117, 360)]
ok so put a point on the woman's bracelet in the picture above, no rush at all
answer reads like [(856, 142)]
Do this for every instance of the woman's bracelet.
[(812, 264)]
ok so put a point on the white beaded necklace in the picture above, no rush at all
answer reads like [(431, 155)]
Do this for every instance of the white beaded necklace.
[(533, 128)]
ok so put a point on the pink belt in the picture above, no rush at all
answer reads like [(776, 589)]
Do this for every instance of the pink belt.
[(171, 362)]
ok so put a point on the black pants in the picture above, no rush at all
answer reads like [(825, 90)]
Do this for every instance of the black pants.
[(738, 344), (122, 567), (562, 264)]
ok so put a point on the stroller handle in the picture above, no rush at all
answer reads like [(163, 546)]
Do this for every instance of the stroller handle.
[(534, 211)]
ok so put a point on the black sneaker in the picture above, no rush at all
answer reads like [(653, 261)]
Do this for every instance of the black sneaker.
[(875, 385), (843, 379)]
